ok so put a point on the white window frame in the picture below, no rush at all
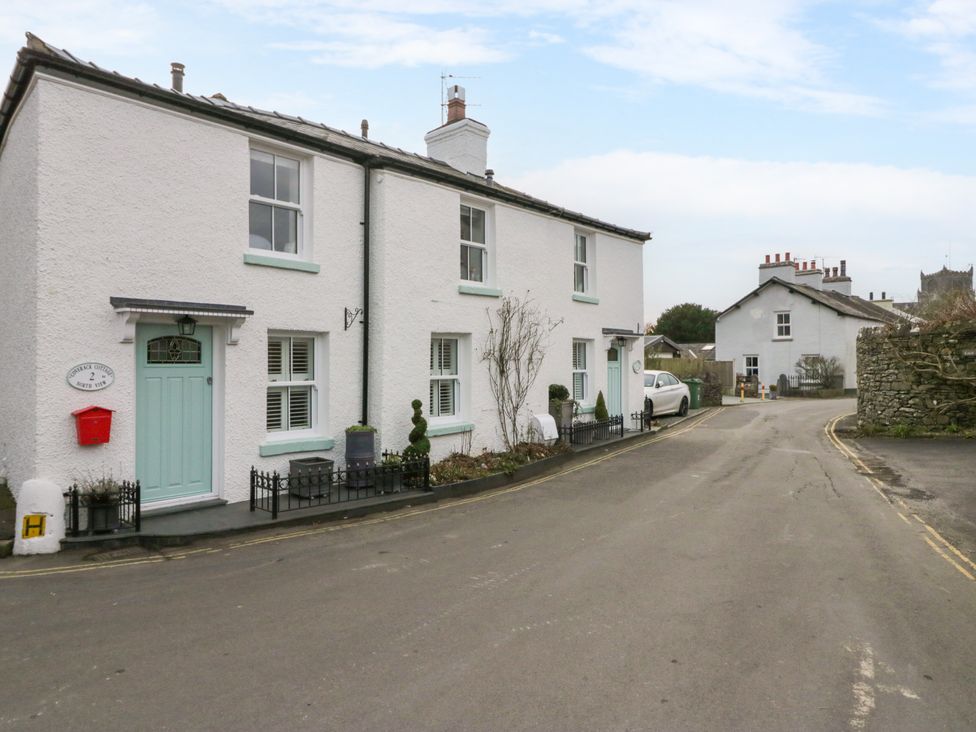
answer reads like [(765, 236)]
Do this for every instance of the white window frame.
[(746, 367), (586, 348), (486, 248), (303, 248), (459, 379), (317, 396), (783, 330), (588, 263)]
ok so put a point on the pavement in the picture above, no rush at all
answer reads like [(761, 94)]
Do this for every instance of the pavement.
[(934, 479), (737, 572), (176, 527)]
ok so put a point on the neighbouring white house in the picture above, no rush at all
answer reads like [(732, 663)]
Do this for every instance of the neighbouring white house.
[(239, 286), (797, 310)]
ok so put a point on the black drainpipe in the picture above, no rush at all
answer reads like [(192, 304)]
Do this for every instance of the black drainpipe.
[(367, 175)]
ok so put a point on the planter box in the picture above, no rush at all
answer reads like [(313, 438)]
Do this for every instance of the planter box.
[(103, 517), (360, 458), (562, 412), (310, 477)]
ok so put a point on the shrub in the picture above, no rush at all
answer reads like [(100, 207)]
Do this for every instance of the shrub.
[(600, 414), (419, 444), (558, 393), (361, 428)]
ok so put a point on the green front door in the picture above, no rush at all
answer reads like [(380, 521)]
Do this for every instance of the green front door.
[(174, 411), (613, 382)]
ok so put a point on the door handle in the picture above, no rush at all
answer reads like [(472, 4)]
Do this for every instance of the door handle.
[(210, 381)]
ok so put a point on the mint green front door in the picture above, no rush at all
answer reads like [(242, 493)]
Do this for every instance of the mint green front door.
[(613, 382), (174, 411)]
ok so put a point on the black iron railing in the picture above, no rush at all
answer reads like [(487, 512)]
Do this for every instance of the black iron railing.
[(584, 433), (103, 512), (278, 493), (797, 385)]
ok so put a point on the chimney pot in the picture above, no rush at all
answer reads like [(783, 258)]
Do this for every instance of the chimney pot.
[(843, 268), (767, 259), (804, 266), (870, 296), (835, 271), (787, 257), (455, 103), (883, 294), (176, 72), (364, 128), (489, 176), (777, 259)]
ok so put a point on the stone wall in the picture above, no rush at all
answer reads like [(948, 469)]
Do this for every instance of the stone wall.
[(892, 391)]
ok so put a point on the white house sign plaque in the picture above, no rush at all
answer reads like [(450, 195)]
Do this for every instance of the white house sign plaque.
[(91, 376)]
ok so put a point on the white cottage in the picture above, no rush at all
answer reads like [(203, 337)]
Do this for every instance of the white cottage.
[(243, 285), (797, 310)]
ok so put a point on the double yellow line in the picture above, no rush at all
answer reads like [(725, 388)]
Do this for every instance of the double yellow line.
[(965, 565), (669, 434)]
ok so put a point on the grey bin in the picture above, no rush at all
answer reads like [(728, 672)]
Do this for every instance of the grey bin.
[(310, 477)]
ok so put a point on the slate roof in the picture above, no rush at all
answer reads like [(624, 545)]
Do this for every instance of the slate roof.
[(848, 305), (285, 127)]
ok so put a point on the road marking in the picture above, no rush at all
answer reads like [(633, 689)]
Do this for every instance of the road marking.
[(904, 518), (864, 688), (878, 484), (949, 559), (684, 428)]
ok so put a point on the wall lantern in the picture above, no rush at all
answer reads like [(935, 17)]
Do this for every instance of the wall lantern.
[(187, 325)]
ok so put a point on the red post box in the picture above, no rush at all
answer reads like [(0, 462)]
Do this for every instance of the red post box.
[(94, 425)]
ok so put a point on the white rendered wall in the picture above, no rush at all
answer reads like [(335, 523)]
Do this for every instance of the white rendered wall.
[(416, 251), (750, 330), (143, 203), (139, 202), (18, 288)]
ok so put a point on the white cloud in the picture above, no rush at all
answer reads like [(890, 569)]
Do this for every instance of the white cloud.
[(750, 48), (81, 26), (713, 218), (946, 29)]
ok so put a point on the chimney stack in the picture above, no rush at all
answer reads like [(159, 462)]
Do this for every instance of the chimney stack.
[(883, 293), (176, 72), (364, 128), (870, 295), (843, 268), (460, 142)]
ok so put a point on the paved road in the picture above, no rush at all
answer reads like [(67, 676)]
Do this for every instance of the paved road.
[(740, 575)]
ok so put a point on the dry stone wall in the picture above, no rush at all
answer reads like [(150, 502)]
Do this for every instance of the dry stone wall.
[(893, 390)]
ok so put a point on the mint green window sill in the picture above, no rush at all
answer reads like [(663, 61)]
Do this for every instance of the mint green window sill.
[(586, 298), (587, 410), (265, 261), (476, 290), (449, 429), (306, 444)]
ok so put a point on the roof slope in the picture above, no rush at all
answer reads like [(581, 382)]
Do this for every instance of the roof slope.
[(848, 305), (317, 136)]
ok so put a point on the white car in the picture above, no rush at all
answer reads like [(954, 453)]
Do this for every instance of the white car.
[(665, 393)]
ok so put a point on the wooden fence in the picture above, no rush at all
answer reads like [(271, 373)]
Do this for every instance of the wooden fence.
[(685, 368)]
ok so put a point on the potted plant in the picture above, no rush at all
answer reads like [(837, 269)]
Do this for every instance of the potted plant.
[(101, 497), (419, 447), (602, 417), (560, 405), (772, 391), (360, 455)]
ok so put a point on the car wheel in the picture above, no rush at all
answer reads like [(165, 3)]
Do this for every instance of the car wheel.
[(683, 409)]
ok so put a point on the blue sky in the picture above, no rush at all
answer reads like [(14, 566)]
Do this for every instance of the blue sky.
[(729, 130)]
